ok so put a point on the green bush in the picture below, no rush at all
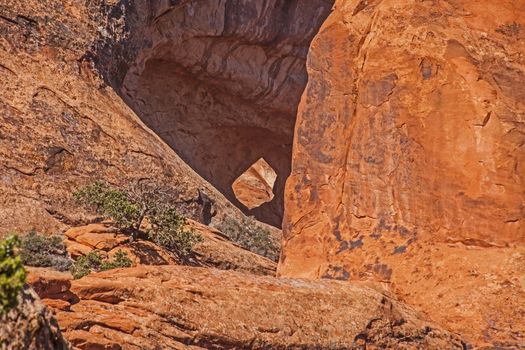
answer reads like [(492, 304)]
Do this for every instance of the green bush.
[(169, 231), (145, 200), (251, 236), (92, 195), (94, 262), (120, 259), (85, 264), (111, 203), (12, 273), (44, 251)]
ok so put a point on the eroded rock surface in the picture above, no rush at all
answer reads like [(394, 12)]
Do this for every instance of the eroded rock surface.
[(61, 127), (176, 307), (407, 164), (409, 160)]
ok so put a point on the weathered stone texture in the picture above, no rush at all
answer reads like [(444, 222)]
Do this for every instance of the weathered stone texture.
[(175, 307), (62, 127), (409, 159), (30, 325)]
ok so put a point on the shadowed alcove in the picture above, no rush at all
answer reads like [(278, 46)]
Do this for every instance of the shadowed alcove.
[(220, 82)]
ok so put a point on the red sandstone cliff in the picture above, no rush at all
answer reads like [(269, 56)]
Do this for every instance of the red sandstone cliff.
[(62, 126), (409, 160)]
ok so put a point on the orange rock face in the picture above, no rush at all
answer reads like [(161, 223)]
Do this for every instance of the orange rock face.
[(62, 127), (408, 165), (173, 307), (409, 160)]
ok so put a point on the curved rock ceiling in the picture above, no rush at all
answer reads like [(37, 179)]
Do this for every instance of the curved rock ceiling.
[(220, 81)]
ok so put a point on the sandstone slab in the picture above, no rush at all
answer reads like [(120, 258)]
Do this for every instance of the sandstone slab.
[(177, 307)]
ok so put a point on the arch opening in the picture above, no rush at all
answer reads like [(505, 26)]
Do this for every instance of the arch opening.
[(220, 83)]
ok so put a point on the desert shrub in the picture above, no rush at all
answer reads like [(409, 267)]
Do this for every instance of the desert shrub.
[(85, 264), (145, 200), (111, 203), (92, 195), (94, 262), (120, 259), (118, 207), (12, 273), (44, 251), (248, 234), (169, 231)]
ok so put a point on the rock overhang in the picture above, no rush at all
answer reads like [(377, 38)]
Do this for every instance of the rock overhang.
[(219, 82)]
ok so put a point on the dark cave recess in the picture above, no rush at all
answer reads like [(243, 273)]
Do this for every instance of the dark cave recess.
[(218, 81)]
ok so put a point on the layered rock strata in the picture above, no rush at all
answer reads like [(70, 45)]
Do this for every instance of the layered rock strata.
[(216, 250), (173, 307)]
